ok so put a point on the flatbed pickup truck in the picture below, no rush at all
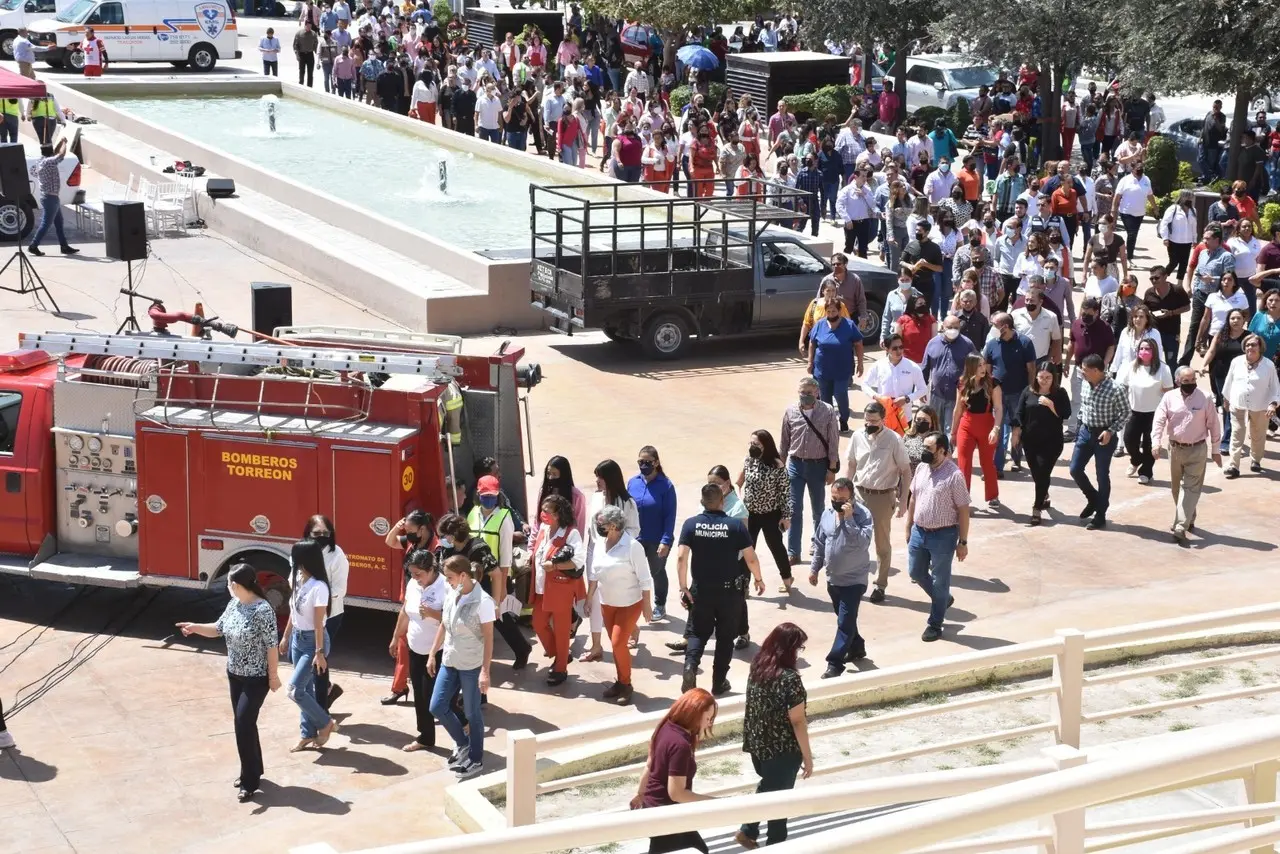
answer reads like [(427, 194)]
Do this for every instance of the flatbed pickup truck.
[(694, 268)]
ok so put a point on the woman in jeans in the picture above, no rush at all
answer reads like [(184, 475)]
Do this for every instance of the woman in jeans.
[(766, 492), (611, 491), (775, 731), (1037, 424), (416, 626), (670, 767), (620, 578), (655, 498), (320, 529), (464, 641), (306, 643), (249, 626), (1145, 380)]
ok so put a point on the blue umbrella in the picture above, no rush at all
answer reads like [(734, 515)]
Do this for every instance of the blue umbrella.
[(697, 56)]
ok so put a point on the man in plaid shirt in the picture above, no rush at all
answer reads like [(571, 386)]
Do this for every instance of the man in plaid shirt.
[(809, 180), (1104, 409)]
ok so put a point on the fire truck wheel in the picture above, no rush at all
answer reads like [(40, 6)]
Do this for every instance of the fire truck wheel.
[(273, 577)]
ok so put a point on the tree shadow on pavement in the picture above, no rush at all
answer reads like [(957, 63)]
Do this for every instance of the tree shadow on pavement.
[(299, 798)]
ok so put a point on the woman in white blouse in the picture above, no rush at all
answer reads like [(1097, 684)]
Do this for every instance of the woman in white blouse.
[(320, 528), (1139, 329), (620, 577), (306, 642), (417, 624), (559, 560), (1218, 304), (611, 491), (1145, 379)]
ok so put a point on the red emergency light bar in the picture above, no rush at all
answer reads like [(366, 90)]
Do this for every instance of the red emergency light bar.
[(21, 360)]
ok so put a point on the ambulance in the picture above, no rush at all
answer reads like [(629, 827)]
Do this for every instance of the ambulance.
[(181, 32)]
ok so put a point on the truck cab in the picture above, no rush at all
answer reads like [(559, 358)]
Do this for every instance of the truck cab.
[(661, 272), (15, 14)]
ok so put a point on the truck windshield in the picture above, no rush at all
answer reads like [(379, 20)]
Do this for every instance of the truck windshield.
[(973, 77), (10, 5), (76, 12)]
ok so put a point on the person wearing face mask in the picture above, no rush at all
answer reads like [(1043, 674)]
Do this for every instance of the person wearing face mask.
[(412, 532), (1089, 335), (1187, 419), (1013, 360), (835, 357), (895, 306), (1104, 410), (1130, 204), (937, 528), (1145, 379), (970, 254), (921, 260), (320, 529), (916, 327), (879, 468), (655, 498), (938, 183), (248, 624), (1039, 415), (494, 524), (842, 546), (559, 561), (1177, 228), (1039, 324), (974, 324), (734, 509), (1251, 391), (611, 491), (416, 626), (810, 443), (619, 574)]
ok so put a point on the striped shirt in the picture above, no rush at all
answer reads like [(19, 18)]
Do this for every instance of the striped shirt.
[(801, 442), (939, 494)]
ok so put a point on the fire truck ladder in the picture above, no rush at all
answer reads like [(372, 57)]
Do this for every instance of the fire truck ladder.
[(229, 360)]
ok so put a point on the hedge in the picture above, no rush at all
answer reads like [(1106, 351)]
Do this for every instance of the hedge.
[(442, 12), (1270, 214), (1162, 165), (927, 116), (836, 99), (681, 94)]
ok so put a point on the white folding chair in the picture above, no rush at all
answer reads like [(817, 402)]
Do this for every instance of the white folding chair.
[(163, 213)]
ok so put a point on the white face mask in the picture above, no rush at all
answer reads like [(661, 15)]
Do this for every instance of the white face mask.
[(951, 334)]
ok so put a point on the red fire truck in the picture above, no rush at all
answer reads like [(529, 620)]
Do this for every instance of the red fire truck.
[(154, 460)]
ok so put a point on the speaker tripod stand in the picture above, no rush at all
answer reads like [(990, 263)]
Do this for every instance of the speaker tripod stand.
[(130, 324), (29, 281)]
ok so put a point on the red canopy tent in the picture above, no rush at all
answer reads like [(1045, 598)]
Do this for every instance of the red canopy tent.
[(14, 85)]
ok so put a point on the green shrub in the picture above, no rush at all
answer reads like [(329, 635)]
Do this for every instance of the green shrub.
[(927, 116), (1186, 177), (1270, 215), (442, 11), (959, 117), (681, 94), (1162, 165), (525, 34), (834, 100)]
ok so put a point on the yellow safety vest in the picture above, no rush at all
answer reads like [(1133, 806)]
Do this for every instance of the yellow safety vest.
[(10, 107), (43, 108), (488, 529)]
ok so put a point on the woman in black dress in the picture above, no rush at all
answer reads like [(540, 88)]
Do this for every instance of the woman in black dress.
[(1037, 426)]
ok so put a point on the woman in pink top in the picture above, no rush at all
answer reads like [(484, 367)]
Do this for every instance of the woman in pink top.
[(567, 53), (536, 55)]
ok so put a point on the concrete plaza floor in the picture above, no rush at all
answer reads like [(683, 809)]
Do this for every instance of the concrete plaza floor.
[(124, 728)]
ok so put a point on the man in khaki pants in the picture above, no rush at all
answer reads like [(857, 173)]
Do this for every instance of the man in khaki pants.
[(880, 470), (24, 54), (1189, 420)]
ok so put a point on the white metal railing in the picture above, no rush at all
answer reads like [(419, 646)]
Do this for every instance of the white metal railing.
[(1068, 651)]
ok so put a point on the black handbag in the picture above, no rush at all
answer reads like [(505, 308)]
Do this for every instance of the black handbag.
[(565, 553)]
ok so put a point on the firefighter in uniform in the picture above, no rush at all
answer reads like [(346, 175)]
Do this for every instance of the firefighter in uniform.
[(492, 524), (44, 118), (717, 597), (11, 109)]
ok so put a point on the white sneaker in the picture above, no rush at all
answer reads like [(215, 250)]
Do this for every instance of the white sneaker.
[(1132, 470), (1144, 480), (468, 769), (6, 740)]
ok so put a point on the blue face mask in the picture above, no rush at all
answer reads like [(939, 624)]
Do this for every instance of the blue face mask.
[(488, 502)]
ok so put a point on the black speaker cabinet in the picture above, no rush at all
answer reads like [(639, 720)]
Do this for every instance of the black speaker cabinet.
[(15, 181), (220, 188), (272, 306), (124, 224)]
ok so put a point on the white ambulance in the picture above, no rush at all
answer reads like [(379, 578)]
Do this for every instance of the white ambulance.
[(194, 33), (15, 14)]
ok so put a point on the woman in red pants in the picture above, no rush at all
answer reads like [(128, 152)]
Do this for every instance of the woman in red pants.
[(559, 556), (979, 408)]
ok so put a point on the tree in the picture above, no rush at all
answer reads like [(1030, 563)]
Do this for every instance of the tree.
[(672, 18), (1058, 37), (896, 24), (1190, 46)]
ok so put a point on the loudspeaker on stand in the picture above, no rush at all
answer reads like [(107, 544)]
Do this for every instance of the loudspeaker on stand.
[(124, 226), (272, 306)]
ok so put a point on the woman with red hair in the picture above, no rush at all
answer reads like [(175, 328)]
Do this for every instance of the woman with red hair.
[(668, 773), (775, 731)]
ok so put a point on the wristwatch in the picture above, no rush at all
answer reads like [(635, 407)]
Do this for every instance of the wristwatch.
[(962, 542), (835, 470)]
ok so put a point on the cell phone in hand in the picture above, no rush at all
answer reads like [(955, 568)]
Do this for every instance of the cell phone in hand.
[(686, 601)]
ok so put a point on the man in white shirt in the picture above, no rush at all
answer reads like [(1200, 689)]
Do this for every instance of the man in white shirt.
[(856, 208), (489, 115), (918, 143), (637, 79), (487, 64), (467, 72), (1130, 204), (899, 379), (939, 183), (1245, 247), (1099, 284), (1040, 325)]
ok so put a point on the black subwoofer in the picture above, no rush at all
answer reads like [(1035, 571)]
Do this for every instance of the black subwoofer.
[(272, 306), (124, 225)]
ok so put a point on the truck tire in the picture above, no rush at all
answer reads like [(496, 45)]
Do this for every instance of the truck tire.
[(203, 57), (611, 332), (17, 221), (273, 577), (178, 63), (75, 60), (53, 63), (6, 43), (666, 336), (870, 328)]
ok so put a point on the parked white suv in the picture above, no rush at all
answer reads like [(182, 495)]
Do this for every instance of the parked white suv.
[(940, 79), (18, 217)]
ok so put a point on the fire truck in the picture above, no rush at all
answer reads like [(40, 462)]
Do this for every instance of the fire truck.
[(158, 460)]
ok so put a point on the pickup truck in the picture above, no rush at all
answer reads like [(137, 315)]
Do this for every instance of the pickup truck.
[(701, 273), (18, 217)]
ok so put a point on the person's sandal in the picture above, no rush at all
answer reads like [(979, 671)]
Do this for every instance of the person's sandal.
[(592, 655), (303, 745), (414, 747), (323, 737)]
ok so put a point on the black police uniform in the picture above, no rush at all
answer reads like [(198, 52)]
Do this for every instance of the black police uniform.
[(715, 542)]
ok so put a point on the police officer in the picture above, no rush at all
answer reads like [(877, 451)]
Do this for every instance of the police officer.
[(716, 599)]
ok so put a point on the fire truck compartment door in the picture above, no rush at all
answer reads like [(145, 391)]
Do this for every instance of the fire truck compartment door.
[(165, 482), (367, 483), (264, 489), (15, 475)]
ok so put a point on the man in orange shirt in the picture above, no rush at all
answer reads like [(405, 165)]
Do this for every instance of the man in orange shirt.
[(1064, 203), (970, 180)]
